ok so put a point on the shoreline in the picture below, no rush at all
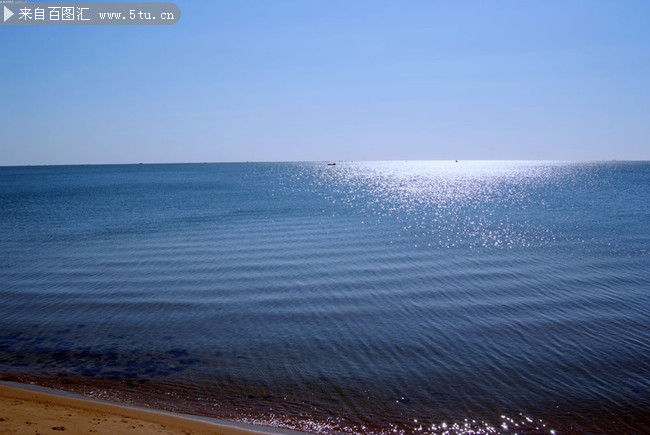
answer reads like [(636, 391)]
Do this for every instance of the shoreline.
[(41, 409)]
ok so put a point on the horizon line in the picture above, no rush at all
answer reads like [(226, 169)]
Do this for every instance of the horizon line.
[(319, 161)]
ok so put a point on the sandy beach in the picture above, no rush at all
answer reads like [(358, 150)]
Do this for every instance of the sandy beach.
[(35, 410)]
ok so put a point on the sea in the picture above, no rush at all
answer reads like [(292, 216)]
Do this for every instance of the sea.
[(356, 297)]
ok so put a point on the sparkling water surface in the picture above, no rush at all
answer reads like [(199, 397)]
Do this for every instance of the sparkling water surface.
[(361, 297)]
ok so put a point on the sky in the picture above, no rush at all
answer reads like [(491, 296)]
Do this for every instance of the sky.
[(280, 80)]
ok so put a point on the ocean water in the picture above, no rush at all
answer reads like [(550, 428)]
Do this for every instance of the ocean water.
[(366, 297)]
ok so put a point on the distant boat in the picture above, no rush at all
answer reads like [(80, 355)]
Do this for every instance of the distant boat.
[(331, 164)]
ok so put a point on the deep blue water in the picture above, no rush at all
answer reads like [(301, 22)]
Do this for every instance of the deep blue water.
[(363, 297)]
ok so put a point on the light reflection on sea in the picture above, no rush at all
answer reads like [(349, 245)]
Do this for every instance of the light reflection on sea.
[(363, 297)]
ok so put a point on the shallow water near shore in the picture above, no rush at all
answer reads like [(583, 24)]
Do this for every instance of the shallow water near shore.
[(360, 297)]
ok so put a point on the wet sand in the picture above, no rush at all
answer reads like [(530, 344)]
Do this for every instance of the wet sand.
[(29, 409)]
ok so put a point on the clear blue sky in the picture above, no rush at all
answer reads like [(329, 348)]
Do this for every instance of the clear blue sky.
[(276, 80)]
